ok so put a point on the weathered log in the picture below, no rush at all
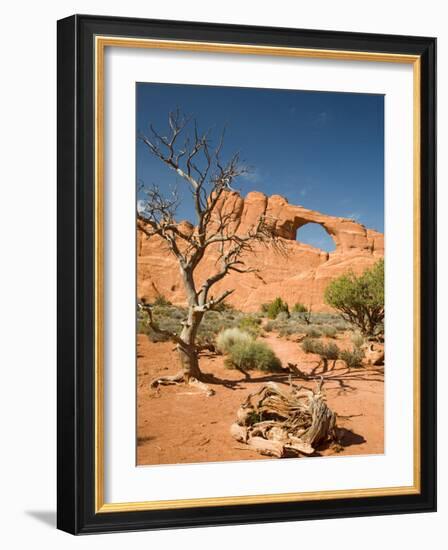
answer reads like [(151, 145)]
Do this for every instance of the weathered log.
[(238, 432), (267, 447), (279, 422)]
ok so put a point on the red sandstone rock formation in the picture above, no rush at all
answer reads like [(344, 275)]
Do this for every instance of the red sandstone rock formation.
[(299, 273)]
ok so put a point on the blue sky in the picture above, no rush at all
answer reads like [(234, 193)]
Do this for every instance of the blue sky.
[(322, 150)]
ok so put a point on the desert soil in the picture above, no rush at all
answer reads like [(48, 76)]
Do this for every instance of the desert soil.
[(179, 424)]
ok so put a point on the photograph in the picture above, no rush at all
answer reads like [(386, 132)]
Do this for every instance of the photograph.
[(260, 307), (246, 274)]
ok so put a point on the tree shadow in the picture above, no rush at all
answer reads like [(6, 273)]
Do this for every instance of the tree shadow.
[(347, 438), (339, 375), (210, 378)]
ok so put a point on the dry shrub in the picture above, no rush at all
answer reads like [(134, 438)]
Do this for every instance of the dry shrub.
[(252, 355), (231, 336)]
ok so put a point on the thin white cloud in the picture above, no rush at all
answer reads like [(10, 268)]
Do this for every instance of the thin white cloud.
[(140, 206)]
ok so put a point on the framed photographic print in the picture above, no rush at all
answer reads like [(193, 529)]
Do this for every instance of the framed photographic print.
[(246, 274)]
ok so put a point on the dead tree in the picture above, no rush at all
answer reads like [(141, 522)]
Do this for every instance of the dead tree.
[(193, 157)]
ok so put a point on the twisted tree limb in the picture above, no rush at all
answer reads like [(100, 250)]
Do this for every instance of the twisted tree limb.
[(284, 423)]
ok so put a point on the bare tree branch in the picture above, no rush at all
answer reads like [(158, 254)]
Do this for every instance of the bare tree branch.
[(143, 307)]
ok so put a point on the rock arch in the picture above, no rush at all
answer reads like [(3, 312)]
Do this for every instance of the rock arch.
[(301, 275), (318, 231), (348, 235)]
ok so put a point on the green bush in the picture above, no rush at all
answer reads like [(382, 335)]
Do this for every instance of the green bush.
[(282, 316), (231, 336), (352, 358), (160, 300), (297, 318), (164, 318), (250, 325), (299, 308), (328, 331), (360, 300), (357, 339), (272, 309), (328, 351), (310, 345), (285, 326), (152, 334), (170, 318), (312, 332), (287, 330), (341, 326), (168, 312), (250, 355)]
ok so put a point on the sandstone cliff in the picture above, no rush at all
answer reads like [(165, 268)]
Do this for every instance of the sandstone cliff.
[(299, 273)]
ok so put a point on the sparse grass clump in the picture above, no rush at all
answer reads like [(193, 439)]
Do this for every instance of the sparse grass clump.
[(299, 308), (314, 326), (230, 337), (250, 355), (160, 300)]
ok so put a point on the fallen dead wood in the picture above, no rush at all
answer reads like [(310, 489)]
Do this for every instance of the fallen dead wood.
[(284, 423)]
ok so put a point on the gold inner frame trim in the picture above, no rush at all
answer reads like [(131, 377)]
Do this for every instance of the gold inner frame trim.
[(101, 42)]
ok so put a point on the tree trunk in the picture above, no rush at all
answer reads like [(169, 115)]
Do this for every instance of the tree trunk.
[(190, 373), (187, 350), (189, 362)]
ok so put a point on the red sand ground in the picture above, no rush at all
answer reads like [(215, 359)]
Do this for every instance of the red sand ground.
[(179, 424)]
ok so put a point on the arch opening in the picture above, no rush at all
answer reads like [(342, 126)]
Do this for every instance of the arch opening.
[(315, 235)]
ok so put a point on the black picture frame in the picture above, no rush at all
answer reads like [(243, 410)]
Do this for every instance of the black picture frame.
[(76, 256)]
